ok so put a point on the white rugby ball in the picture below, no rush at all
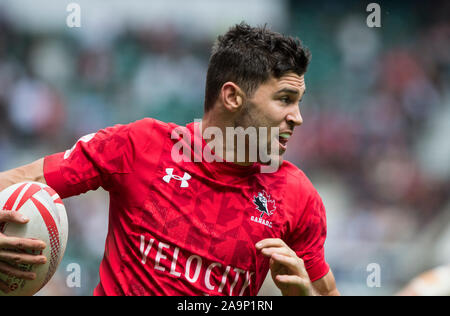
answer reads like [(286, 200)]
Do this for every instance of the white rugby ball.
[(48, 222)]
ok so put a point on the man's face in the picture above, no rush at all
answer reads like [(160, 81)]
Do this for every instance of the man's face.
[(275, 104)]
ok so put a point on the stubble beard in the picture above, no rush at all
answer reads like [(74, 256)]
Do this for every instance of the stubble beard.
[(249, 117)]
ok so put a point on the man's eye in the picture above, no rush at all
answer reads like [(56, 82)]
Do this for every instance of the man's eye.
[(286, 100)]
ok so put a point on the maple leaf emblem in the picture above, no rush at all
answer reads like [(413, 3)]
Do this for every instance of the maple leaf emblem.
[(264, 204)]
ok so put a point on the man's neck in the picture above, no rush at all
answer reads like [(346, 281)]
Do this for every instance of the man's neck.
[(207, 122)]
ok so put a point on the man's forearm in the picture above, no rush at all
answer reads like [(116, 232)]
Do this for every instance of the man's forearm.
[(31, 172), (326, 286)]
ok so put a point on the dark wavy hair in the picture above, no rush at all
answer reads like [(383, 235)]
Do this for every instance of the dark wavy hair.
[(249, 56)]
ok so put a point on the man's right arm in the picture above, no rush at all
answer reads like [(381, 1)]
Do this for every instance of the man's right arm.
[(11, 248), (31, 172)]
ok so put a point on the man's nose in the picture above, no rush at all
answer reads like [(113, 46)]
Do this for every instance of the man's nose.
[(295, 117)]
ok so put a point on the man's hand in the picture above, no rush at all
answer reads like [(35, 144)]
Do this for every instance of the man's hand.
[(287, 269), (13, 251)]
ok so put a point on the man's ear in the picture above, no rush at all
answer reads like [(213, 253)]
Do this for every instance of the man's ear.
[(232, 96)]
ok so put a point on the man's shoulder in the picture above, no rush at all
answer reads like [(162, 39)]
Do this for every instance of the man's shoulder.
[(151, 127), (149, 122), (292, 172), (294, 177)]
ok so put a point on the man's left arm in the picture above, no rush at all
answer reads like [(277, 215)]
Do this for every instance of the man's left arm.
[(289, 273), (326, 286)]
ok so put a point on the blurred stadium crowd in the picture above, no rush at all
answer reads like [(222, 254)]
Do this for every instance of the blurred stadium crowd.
[(374, 141)]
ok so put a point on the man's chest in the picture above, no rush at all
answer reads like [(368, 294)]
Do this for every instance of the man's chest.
[(184, 206), (221, 221), (187, 225)]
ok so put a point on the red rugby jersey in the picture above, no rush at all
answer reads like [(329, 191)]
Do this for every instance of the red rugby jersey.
[(187, 228)]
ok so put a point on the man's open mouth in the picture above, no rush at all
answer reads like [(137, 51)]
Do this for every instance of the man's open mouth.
[(283, 139)]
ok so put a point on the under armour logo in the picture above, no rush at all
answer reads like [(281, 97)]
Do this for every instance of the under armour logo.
[(170, 175)]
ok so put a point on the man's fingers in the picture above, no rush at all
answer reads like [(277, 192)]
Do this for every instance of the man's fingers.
[(21, 258), (16, 272), (286, 279), (287, 269), (21, 243), (268, 252), (295, 265), (281, 256), (4, 287), (12, 217), (270, 242), (293, 285)]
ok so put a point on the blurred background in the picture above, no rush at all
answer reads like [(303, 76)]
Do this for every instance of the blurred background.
[(375, 138)]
